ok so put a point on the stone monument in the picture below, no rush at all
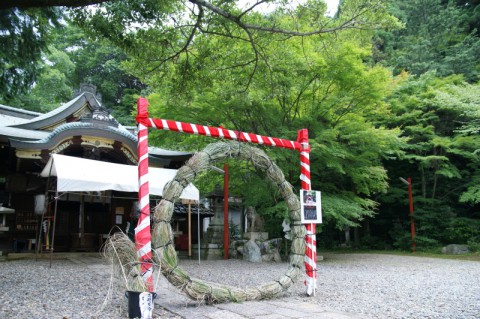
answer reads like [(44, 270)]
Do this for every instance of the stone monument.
[(257, 247), (254, 228), (212, 247)]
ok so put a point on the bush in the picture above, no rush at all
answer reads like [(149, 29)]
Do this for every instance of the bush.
[(463, 230), (372, 242), (423, 243), (426, 243), (474, 246)]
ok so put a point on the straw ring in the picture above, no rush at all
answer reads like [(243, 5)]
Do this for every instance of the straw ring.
[(198, 163)]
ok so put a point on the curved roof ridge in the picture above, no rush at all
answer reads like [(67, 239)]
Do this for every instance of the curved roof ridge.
[(74, 125), (74, 104), (52, 112), (17, 110)]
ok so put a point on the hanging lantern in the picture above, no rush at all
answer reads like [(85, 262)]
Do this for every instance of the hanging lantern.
[(39, 207)]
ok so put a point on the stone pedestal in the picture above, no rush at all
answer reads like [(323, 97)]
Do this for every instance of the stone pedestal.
[(212, 247), (261, 236)]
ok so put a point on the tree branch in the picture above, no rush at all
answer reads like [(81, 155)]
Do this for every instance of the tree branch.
[(187, 43), (351, 23), (7, 4), (251, 8)]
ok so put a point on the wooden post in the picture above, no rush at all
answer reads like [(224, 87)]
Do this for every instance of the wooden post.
[(189, 231), (225, 211), (189, 202)]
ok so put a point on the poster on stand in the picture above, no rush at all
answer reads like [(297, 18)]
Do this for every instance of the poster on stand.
[(311, 207)]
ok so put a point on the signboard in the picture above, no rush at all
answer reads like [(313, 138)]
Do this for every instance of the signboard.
[(311, 207)]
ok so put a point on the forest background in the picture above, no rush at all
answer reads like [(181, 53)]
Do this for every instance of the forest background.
[(386, 89)]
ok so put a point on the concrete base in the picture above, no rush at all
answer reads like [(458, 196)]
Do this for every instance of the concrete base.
[(262, 236), (47, 255), (208, 251)]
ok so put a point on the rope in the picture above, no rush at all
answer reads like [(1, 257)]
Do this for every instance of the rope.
[(283, 288), (183, 182), (265, 291), (173, 269), (163, 246), (192, 170)]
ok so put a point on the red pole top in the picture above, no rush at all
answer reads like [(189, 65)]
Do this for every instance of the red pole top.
[(142, 111), (302, 136), (142, 105)]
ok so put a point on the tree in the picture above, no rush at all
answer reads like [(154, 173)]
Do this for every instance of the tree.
[(52, 86), (159, 34), (324, 86), (437, 37), (24, 35), (441, 155), (72, 60), (100, 63)]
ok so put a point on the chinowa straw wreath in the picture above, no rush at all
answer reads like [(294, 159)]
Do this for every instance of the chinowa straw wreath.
[(164, 254)]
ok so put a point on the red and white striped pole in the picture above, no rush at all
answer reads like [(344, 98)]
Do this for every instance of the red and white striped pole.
[(142, 231), (310, 237)]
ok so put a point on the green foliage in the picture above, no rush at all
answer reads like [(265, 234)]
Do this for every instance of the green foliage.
[(463, 230), (24, 36), (432, 113), (403, 241), (323, 85), (474, 246), (372, 242), (437, 36), (234, 231), (346, 208), (72, 60)]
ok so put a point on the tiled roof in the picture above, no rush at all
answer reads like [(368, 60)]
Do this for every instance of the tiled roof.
[(20, 112), (56, 111), (12, 116), (22, 126), (182, 209), (23, 134), (79, 125)]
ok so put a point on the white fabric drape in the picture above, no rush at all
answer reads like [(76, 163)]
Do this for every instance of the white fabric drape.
[(79, 174)]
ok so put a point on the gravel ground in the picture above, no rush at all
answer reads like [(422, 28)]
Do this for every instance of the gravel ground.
[(30, 289), (370, 285)]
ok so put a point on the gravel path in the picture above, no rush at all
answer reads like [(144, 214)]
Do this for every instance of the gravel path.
[(370, 285)]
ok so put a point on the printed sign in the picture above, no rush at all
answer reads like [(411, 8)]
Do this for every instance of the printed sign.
[(311, 205)]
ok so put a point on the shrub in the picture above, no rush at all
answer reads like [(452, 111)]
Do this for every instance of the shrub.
[(474, 246), (462, 230)]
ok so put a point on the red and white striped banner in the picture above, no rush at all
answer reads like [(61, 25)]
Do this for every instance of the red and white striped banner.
[(300, 145), (219, 132), (143, 240)]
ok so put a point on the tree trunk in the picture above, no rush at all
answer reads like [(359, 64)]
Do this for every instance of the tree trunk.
[(356, 236), (366, 227), (424, 183), (347, 235)]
